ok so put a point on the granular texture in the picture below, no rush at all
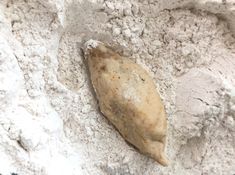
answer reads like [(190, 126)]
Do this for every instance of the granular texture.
[(49, 118)]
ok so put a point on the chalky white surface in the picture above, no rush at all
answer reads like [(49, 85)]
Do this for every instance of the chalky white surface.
[(49, 118)]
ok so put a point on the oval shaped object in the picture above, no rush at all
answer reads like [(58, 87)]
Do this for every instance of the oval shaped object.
[(127, 96)]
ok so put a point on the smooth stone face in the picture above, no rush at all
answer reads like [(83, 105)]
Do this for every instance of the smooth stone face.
[(128, 97)]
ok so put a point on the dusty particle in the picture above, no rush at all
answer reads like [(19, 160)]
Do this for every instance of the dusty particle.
[(128, 97), (116, 31)]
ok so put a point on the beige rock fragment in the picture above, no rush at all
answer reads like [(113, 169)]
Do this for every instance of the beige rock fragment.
[(128, 98)]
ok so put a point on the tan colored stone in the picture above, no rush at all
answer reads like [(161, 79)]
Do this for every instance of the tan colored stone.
[(128, 98)]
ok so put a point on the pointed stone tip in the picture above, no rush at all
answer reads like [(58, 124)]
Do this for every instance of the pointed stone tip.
[(89, 45), (163, 160)]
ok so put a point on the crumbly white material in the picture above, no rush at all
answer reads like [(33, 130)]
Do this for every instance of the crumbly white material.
[(49, 119), (90, 44)]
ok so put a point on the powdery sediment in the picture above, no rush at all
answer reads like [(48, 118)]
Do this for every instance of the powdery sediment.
[(49, 119)]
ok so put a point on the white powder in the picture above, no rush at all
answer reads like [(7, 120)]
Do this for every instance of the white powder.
[(49, 118), (91, 44)]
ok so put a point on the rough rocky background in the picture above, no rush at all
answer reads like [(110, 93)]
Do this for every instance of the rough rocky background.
[(49, 119)]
